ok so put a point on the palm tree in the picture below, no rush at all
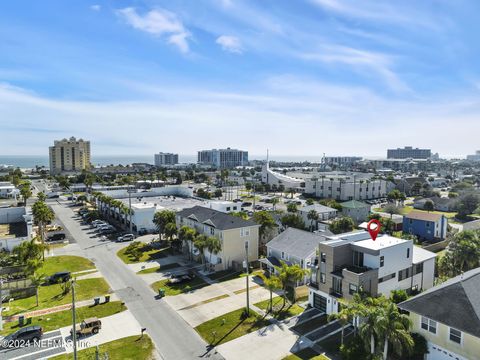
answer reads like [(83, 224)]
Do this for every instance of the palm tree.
[(37, 280), (42, 215), (369, 330), (344, 317), (214, 246), (187, 235), (272, 283), (200, 243), (26, 192), (289, 275), (394, 329), (275, 201), (313, 216), (170, 231)]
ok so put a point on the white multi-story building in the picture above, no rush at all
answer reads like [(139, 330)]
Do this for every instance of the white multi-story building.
[(409, 153), (8, 190), (162, 159), (223, 158), (275, 178), (353, 262), (347, 188), (225, 206), (475, 157), (70, 155)]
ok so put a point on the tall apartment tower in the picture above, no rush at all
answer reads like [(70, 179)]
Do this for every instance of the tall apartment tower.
[(409, 152), (162, 159), (223, 158), (70, 155)]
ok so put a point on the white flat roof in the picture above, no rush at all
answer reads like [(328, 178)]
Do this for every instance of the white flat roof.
[(420, 255), (381, 242)]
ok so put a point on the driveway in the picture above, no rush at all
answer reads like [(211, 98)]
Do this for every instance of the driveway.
[(272, 342), (214, 300)]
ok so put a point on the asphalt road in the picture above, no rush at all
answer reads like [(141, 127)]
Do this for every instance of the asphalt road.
[(173, 337), (50, 344)]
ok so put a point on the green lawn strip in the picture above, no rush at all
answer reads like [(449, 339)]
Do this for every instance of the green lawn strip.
[(225, 275), (60, 319), (149, 253), (241, 291), (306, 354), (175, 289), (129, 348), (159, 268), (280, 312), (54, 264), (51, 296), (230, 326)]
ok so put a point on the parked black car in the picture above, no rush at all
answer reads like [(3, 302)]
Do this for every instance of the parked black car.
[(22, 337), (55, 237), (59, 277)]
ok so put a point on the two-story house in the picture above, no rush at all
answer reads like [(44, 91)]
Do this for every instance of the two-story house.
[(355, 209), (232, 231), (352, 262), (448, 316), (324, 213), (426, 225), (293, 246)]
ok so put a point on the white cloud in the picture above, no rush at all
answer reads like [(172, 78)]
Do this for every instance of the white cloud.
[(300, 116), (230, 43), (95, 7), (361, 60), (158, 22)]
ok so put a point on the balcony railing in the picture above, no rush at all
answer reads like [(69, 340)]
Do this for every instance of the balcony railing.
[(335, 293)]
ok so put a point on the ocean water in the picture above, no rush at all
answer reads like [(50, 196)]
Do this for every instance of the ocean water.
[(30, 161)]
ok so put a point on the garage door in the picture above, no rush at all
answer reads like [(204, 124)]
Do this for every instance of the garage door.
[(319, 302), (438, 353)]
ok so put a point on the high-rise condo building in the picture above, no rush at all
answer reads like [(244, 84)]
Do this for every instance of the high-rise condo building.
[(162, 159), (409, 152), (70, 155), (223, 158)]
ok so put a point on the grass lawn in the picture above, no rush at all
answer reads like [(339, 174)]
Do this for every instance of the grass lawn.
[(280, 312), (230, 326), (149, 253), (306, 354), (63, 318), (54, 264), (129, 348), (175, 289), (225, 275), (158, 268), (50, 296)]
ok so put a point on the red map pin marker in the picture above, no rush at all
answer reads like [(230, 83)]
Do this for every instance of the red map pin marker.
[(375, 230)]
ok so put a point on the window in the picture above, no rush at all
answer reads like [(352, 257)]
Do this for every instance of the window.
[(455, 335), (419, 268), (228, 208), (385, 278), (408, 253), (429, 325), (428, 224), (352, 289), (357, 258), (410, 221), (382, 261), (404, 274), (323, 257), (283, 255), (323, 278), (212, 231)]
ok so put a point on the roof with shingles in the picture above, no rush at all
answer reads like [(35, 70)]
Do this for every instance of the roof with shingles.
[(455, 303), (422, 215), (215, 218)]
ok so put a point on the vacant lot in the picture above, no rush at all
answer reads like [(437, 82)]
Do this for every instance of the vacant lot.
[(175, 289), (54, 264)]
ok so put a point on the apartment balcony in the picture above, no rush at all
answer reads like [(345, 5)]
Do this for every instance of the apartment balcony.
[(335, 293)]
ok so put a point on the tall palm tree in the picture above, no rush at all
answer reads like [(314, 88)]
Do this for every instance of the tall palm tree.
[(200, 243), (313, 216), (272, 283), (37, 280), (369, 330), (214, 246), (394, 327), (187, 236), (43, 215), (275, 201)]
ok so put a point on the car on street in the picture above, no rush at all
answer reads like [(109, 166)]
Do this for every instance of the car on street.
[(59, 277), (22, 337), (126, 237), (56, 237), (87, 327)]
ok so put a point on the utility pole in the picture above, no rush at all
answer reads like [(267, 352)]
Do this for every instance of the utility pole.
[(246, 277), (1, 305), (74, 330), (130, 209)]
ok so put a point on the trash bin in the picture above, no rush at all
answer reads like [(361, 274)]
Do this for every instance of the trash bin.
[(21, 320), (107, 298), (161, 292), (96, 301)]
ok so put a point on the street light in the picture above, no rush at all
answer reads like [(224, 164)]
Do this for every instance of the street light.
[(246, 267)]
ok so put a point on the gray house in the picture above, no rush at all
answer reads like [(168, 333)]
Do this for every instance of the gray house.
[(324, 213), (293, 246)]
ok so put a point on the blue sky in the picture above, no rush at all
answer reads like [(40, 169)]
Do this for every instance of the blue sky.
[(298, 77)]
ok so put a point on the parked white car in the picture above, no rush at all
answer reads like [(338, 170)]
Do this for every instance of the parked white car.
[(126, 237)]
